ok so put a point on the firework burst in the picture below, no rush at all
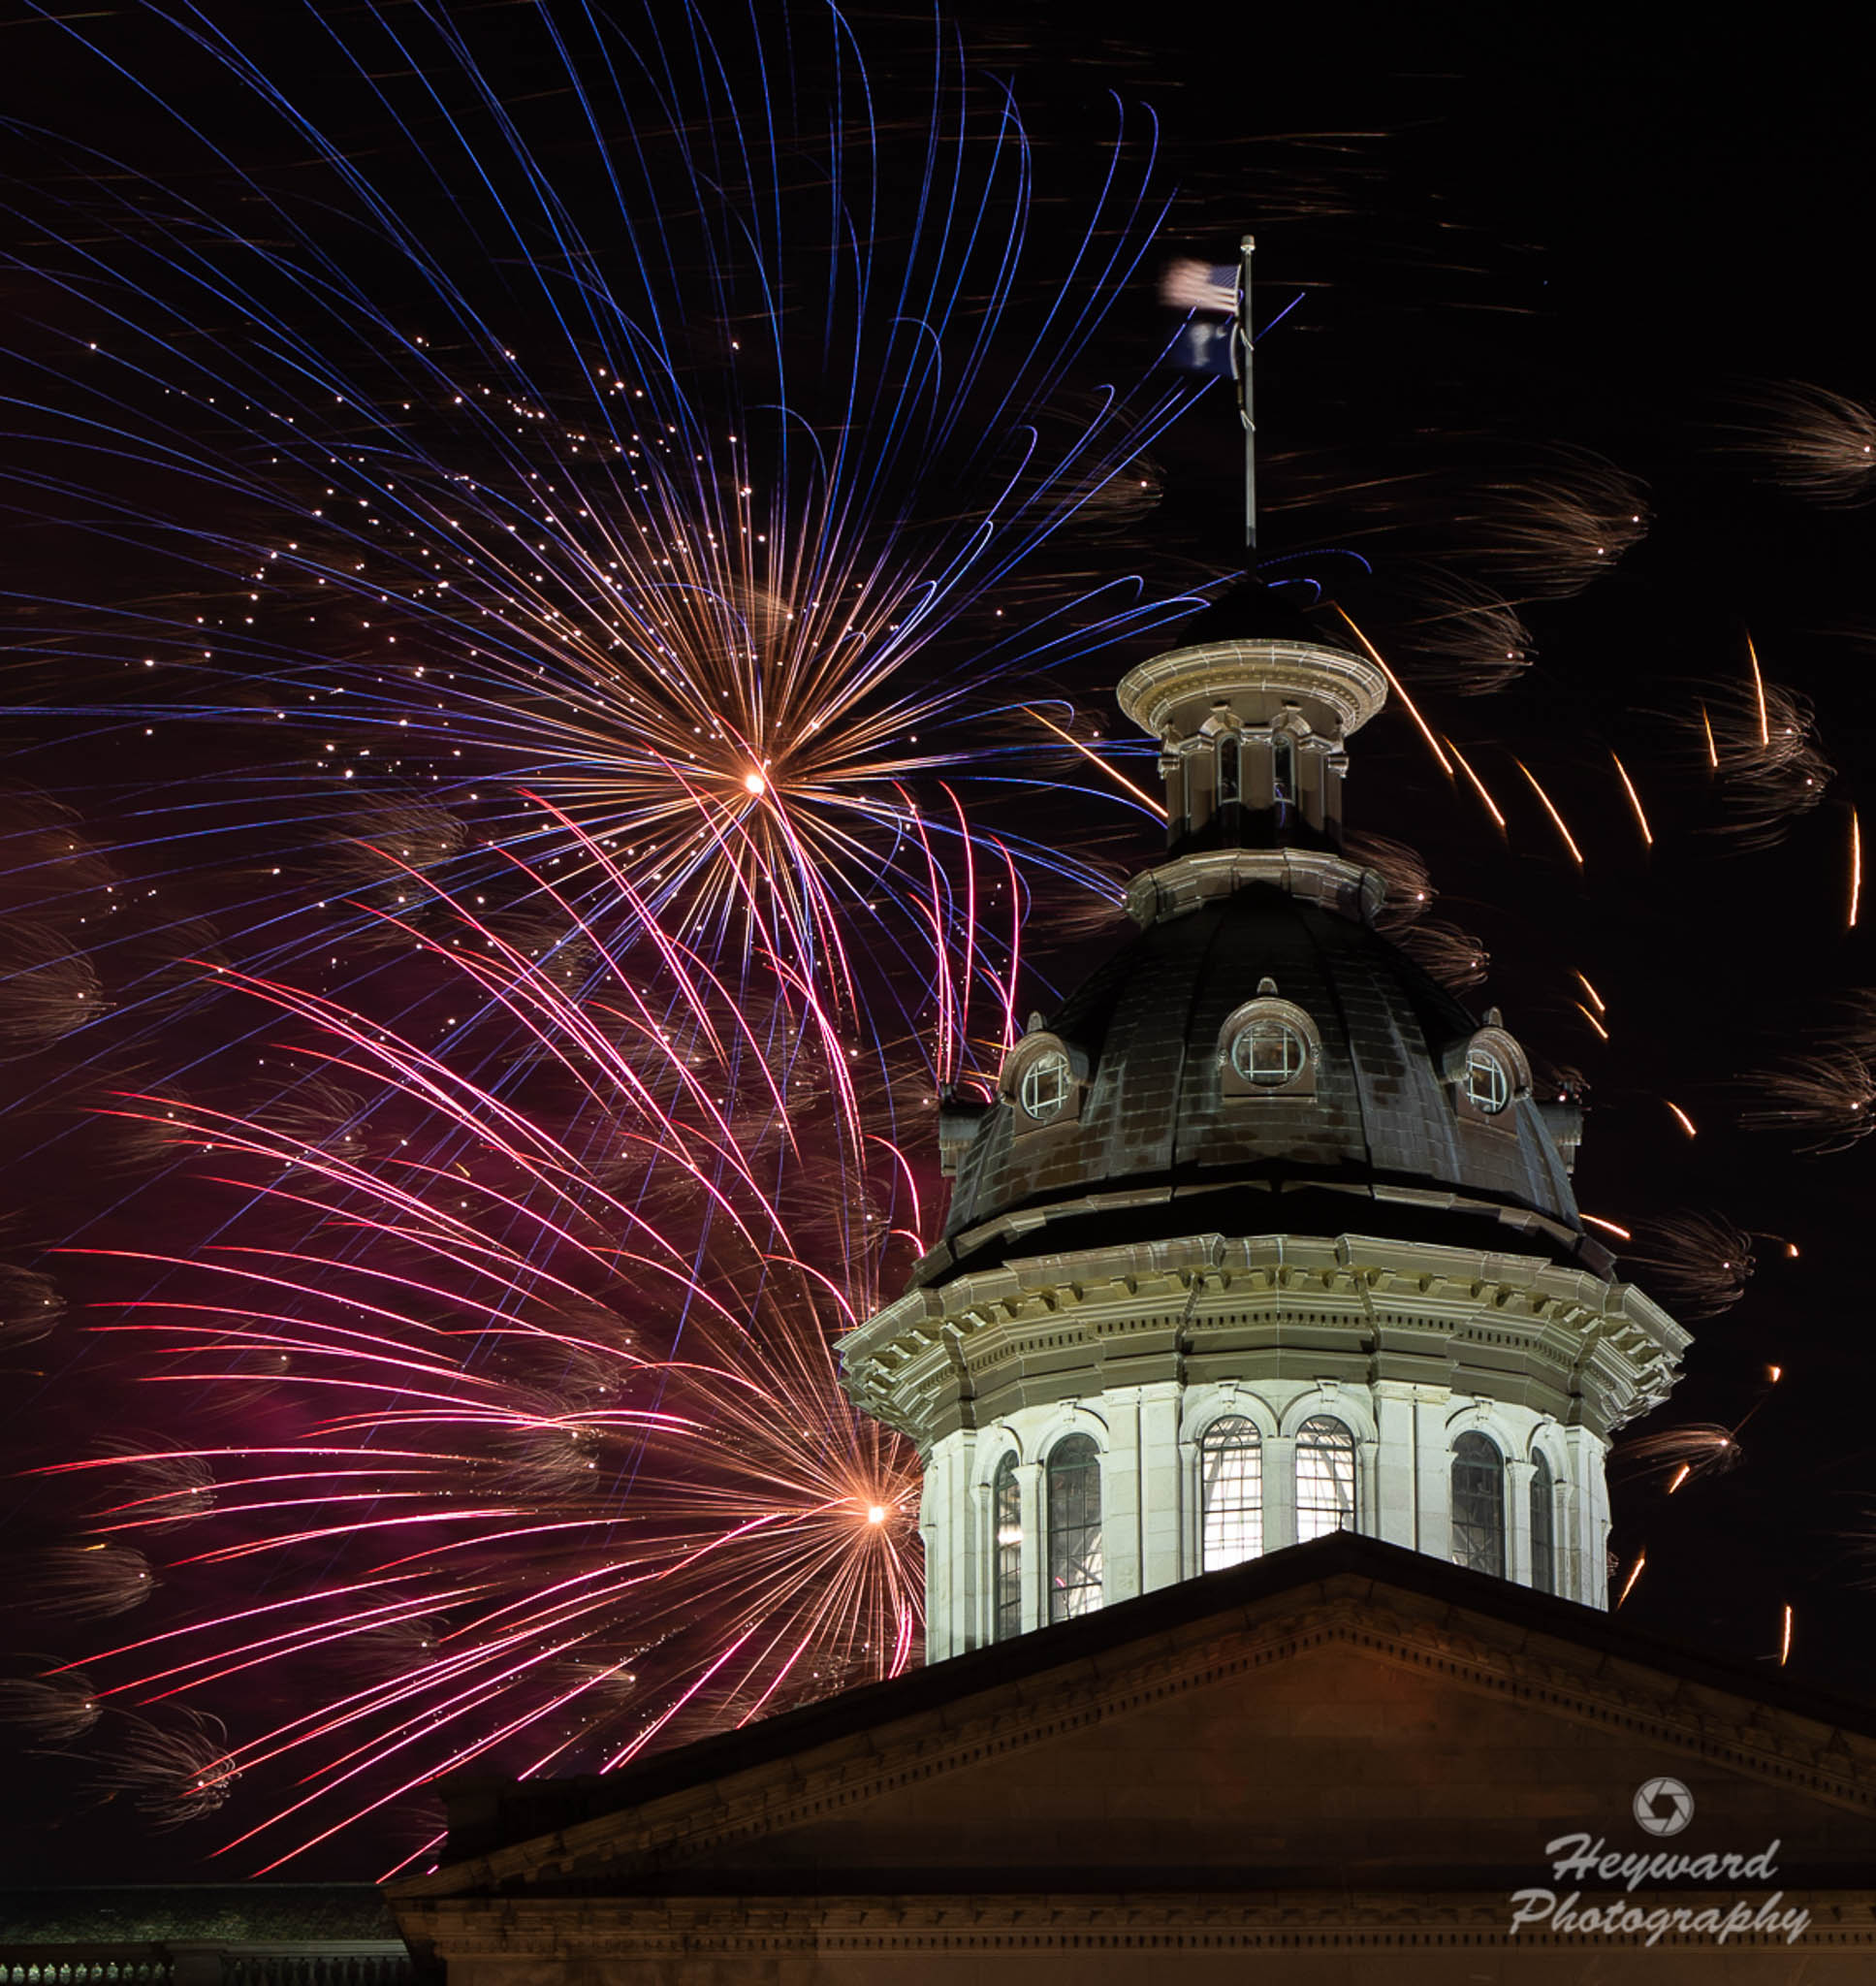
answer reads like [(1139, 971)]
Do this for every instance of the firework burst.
[(521, 1395), (754, 534)]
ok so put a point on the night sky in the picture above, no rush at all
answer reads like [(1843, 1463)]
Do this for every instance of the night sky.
[(1545, 271)]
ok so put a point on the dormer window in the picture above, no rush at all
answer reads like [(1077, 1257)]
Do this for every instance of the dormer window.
[(1269, 1047), (1488, 1073), (1043, 1080)]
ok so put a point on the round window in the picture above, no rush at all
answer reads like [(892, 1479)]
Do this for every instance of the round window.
[(1045, 1085), (1269, 1053), (1487, 1082)]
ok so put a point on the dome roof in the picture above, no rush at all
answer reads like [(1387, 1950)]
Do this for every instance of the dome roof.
[(1154, 1118), (1291, 610)]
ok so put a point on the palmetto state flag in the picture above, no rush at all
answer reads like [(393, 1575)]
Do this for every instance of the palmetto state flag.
[(1209, 290)]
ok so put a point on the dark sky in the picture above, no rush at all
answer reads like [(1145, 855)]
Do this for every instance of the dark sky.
[(1518, 249)]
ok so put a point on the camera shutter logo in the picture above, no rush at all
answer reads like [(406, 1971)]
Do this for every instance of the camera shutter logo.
[(1663, 1806)]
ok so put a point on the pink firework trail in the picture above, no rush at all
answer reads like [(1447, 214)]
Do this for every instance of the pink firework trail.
[(515, 1385)]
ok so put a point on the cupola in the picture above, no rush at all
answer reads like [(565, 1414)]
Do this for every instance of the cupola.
[(1264, 1232)]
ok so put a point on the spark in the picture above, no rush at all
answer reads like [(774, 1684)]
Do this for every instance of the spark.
[(1681, 1118), (1758, 692), (1596, 999), (1570, 840), (1856, 867), (1145, 798), (1635, 1573), (1592, 1021), (1634, 801), (1479, 784), (1785, 1639), (1621, 1233), (1395, 684)]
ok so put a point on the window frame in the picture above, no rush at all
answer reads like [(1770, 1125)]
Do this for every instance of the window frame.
[(1489, 1530), (1066, 1600), (1244, 1436), (1005, 1554), (1036, 1051), (1052, 1063), (1262, 1011), (1457, 1065), (1543, 1501), (1348, 1519), (1497, 1086)]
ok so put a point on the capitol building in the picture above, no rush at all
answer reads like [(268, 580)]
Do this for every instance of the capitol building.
[(1264, 1381)]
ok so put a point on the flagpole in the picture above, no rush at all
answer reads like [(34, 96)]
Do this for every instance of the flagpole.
[(1247, 412)]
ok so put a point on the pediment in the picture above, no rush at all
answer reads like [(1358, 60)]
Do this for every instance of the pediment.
[(1338, 1730)]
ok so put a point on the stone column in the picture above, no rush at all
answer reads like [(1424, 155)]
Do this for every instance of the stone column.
[(936, 1535), (1162, 1482), (1517, 1521), (1312, 781), (1279, 1491), (1587, 1524), (1434, 1471), (1201, 768), (1035, 1569), (1397, 1492), (1122, 1497)]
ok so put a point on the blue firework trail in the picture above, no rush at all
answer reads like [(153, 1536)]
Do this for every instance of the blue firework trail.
[(728, 563), (594, 517)]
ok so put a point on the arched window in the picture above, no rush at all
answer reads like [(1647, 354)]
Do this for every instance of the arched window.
[(1075, 1527), (1282, 766), (1544, 1527), (1006, 1514), (1230, 1480), (1228, 751), (1326, 1478), (1478, 1504)]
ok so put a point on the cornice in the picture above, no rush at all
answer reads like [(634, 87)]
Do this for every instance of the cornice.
[(1585, 1686), (1606, 1339), (589, 1928), (1261, 675)]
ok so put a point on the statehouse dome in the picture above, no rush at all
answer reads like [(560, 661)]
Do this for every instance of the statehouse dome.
[(1259, 1038)]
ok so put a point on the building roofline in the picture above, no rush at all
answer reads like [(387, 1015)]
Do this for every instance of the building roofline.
[(487, 1815)]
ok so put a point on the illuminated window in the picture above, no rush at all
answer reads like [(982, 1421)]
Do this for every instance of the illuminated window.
[(1326, 1478), (1283, 764), (1478, 1504), (1544, 1527), (1230, 1478), (1269, 1053), (1487, 1082), (1006, 1514), (1045, 1085), (1075, 1527)]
